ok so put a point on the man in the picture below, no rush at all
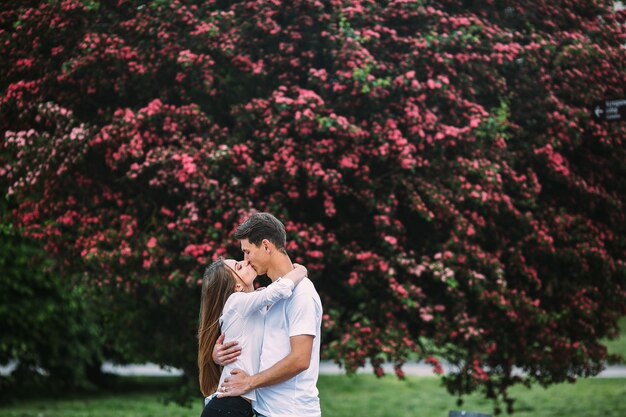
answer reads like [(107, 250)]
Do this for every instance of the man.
[(289, 367)]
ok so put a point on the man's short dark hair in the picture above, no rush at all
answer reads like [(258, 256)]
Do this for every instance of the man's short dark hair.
[(261, 226)]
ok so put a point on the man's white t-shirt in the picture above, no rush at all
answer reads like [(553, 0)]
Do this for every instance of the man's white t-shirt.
[(243, 320), (300, 314)]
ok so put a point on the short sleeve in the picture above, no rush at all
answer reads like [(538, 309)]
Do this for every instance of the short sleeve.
[(303, 315)]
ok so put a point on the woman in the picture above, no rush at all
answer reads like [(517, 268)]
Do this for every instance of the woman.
[(229, 305)]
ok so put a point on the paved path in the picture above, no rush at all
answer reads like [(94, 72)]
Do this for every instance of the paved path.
[(326, 368)]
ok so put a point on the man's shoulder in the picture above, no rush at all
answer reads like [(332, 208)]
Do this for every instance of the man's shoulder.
[(306, 286), (303, 292)]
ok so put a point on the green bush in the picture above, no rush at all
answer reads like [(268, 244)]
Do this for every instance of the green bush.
[(48, 329)]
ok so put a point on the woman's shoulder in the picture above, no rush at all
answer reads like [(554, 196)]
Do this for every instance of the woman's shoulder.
[(233, 300)]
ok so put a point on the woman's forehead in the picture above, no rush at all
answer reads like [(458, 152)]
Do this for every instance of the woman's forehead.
[(230, 262)]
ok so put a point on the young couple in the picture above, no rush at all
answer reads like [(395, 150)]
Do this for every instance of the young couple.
[(271, 361)]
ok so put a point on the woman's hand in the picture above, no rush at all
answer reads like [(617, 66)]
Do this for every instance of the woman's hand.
[(301, 270), (297, 274)]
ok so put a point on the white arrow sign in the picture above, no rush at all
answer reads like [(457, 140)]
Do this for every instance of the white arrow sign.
[(598, 111)]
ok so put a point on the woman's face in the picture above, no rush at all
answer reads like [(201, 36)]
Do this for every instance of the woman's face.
[(244, 273)]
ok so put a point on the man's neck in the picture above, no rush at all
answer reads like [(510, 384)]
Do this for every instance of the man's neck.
[(281, 265)]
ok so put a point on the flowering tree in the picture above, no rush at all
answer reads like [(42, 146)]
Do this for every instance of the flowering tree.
[(435, 163)]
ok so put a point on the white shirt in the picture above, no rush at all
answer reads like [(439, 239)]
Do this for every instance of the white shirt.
[(301, 314), (243, 319)]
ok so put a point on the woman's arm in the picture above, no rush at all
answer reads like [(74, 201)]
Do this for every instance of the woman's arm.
[(298, 273), (247, 303)]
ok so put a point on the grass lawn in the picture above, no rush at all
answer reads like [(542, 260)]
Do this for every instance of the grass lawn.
[(424, 396), (362, 395)]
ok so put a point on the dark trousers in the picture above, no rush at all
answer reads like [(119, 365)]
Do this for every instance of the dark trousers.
[(227, 406)]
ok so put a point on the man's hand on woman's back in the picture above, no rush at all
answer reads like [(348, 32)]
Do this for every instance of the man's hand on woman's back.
[(225, 353)]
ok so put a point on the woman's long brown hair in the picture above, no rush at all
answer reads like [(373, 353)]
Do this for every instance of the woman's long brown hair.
[(218, 284)]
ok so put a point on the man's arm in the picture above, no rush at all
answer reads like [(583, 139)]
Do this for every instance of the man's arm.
[(291, 365), (225, 353)]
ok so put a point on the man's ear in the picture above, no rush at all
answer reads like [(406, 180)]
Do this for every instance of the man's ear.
[(267, 245)]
